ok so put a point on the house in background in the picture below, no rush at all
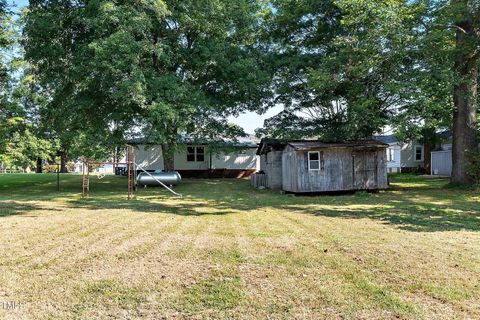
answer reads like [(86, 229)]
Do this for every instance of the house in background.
[(403, 157), (198, 159), (308, 166), (441, 157), (393, 153)]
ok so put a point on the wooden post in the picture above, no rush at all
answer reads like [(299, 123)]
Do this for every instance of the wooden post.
[(85, 179)]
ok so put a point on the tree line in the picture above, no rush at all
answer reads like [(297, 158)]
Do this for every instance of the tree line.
[(78, 78)]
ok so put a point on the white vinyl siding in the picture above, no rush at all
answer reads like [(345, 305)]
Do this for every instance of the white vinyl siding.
[(408, 155), (241, 160), (189, 158), (149, 157), (392, 156), (418, 150)]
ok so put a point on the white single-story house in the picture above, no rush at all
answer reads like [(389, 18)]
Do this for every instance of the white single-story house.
[(403, 157), (101, 169), (201, 159), (393, 153), (408, 157)]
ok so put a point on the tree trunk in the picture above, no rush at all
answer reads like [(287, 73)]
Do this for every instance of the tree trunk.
[(427, 157), (465, 94), (168, 156), (38, 168), (63, 162)]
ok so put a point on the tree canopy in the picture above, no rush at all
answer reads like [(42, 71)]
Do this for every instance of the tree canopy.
[(339, 63), (165, 67), (98, 72)]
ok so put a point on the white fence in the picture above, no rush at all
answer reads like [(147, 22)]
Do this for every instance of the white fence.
[(442, 163)]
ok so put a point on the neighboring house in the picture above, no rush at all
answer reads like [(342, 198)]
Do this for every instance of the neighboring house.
[(196, 159), (304, 166), (101, 168), (442, 155), (412, 156), (403, 157), (393, 153)]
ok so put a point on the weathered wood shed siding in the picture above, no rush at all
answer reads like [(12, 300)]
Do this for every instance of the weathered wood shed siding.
[(273, 164), (341, 169), (263, 162)]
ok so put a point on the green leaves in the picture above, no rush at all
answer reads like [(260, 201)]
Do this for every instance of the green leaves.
[(337, 64), (166, 67), (25, 147)]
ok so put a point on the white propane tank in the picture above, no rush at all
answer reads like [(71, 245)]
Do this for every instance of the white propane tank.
[(168, 178)]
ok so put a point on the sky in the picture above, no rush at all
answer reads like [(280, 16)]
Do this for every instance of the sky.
[(18, 3), (248, 121)]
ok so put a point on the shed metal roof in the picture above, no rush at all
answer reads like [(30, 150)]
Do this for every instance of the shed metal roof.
[(304, 145), (308, 145)]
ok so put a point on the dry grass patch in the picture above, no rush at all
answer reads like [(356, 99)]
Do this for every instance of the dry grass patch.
[(227, 251)]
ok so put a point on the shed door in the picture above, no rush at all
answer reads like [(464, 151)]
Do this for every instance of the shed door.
[(365, 165)]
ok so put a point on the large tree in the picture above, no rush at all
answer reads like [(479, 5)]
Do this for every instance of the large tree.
[(338, 66), (167, 67), (466, 20), (10, 114), (444, 79)]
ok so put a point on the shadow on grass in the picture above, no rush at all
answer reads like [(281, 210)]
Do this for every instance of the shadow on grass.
[(14, 208), (419, 209), (411, 217), (183, 209), (412, 203)]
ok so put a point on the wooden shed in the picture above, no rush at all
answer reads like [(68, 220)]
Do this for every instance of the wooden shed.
[(307, 166)]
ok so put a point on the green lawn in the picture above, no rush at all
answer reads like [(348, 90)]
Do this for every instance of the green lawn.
[(225, 250)]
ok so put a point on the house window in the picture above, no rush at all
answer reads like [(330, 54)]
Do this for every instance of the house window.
[(195, 154), (418, 153), (200, 154), (314, 161), (391, 154)]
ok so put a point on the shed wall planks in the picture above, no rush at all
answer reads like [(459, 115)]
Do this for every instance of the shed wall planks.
[(342, 169), (274, 169)]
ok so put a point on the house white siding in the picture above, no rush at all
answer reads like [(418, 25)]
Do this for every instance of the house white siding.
[(244, 159), (149, 157), (408, 159), (394, 165), (181, 163)]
